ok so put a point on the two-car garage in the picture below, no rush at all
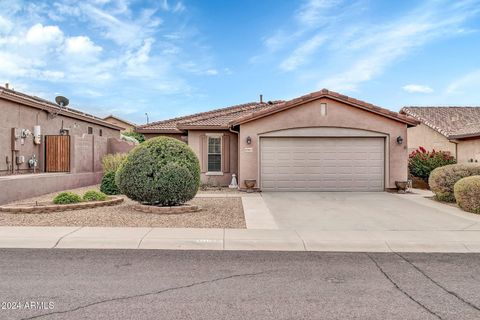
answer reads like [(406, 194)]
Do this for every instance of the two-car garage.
[(322, 163)]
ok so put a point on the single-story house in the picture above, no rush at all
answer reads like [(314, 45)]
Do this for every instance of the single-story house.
[(119, 122), (46, 147), (452, 129), (322, 141)]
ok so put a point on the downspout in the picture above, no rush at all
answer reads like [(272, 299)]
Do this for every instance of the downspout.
[(238, 153)]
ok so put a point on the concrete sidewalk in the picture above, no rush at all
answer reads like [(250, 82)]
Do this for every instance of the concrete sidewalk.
[(240, 239)]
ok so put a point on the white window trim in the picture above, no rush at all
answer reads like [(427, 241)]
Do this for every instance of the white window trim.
[(215, 135)]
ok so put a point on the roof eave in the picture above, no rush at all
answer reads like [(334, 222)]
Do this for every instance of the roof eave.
[(50, 109), (464, 136), (409, 120), (202, 127), (173, 131)]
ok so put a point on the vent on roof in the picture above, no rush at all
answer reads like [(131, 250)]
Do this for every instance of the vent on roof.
[(261, 98)]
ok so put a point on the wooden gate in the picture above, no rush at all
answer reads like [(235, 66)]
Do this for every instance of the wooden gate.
[(57, 153)]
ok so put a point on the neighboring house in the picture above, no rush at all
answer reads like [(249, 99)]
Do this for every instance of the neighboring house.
[(323, 141), (39, 136), (126, 125), (452, 129)]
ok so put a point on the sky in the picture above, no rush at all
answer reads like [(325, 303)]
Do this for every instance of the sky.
[(175, 57)]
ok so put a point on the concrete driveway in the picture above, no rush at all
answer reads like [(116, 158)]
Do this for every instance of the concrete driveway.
[(365, 211)]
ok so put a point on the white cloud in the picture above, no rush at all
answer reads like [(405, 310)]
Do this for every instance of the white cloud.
[(313, 12), (81, 46), (302, 54), (44, 35), (211, 72), (468, 82), (417, 88), (5, 25), (378, 47)]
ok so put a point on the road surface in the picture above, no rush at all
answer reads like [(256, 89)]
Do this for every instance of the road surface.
[(142, 284)]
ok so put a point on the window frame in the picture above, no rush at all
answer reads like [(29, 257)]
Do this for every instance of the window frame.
[(215, 136)]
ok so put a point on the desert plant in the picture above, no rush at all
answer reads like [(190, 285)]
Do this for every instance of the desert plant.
[(93, 195), (111, 162), (108, 185), (161, 171), (421, 162), (443, 179), (467, 193), (137, 136), (66, 198)]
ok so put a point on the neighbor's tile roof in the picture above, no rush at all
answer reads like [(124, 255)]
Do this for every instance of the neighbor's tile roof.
[(226, 117), (452, 122)]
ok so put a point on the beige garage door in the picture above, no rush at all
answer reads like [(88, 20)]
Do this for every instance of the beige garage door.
[(322, 164)]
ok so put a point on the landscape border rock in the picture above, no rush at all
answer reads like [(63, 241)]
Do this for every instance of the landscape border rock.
[(49, 208), (186, 208)]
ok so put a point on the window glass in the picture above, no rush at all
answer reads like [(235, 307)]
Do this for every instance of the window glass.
[(214, 154)]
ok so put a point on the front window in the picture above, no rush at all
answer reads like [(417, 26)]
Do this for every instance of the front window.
[(214, 154)]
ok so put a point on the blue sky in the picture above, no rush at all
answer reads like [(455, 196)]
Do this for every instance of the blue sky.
[(172, 58)]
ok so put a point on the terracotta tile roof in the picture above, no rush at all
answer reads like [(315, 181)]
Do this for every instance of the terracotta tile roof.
[(452, 122), (328, 94), (215, 118), (51, 107), (225, 117)]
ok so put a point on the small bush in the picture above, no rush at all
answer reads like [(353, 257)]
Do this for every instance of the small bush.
[(108, 185), (467, 193), (137, 136), (422, 162), (160, 171), (111, 162), (93, 195), (66, 198), (443, 179)]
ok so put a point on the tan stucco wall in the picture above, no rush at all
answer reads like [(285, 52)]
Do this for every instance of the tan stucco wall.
[(194, 142), (468, 149), (23, 117), (338, 115), (424, 136), (128, 127)]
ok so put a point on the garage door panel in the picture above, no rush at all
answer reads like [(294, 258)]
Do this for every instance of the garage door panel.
[(322, 164)]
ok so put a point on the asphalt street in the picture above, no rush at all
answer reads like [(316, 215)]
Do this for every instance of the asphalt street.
[(143, 284)]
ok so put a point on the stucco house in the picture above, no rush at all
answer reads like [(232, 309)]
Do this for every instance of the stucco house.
[(119, 122), (452, 129), (322, 141), (46, 147)]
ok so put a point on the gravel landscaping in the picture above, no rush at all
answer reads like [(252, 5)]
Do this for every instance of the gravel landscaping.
[(216, 213)]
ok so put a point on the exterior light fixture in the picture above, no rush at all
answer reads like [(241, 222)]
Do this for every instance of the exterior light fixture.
[(399, 140), (249, 140)]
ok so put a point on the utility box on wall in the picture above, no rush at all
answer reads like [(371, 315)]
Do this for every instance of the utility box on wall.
[(15, 136)]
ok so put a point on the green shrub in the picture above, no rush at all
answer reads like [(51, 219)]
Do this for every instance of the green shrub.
[(421, 162), (93, 195), (443, 179), (467, 193), (66, 198), (111, 162), (137, 136), (161, 171), (108, 185)]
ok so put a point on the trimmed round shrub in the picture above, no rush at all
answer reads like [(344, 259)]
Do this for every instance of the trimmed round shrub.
[(108, 184), (467, 193), (66, 198), (443, 179), (161, 171), (93, 195), (421, 162)]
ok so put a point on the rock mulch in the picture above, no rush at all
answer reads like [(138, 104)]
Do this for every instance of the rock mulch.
[(218, 212)]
